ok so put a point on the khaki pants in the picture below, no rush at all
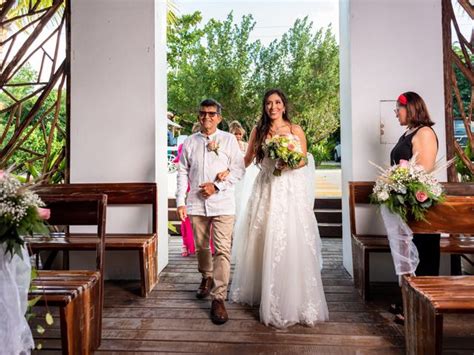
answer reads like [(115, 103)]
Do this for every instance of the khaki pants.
[(219, 268)]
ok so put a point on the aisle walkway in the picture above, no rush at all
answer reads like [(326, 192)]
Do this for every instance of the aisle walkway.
[(172, 320)]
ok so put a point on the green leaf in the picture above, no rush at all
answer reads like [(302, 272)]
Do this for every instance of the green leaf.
[(427, 204), (34, 273), (49, 319), (40, 329), (172, 227), (33, 301), (32, 170)]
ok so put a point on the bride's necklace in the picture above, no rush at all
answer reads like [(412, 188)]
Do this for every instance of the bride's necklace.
[(275, 130)]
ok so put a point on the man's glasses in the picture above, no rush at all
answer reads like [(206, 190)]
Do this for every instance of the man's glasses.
[(203, 114)]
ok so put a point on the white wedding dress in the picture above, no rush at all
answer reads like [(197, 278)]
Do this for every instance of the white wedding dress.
[(278, 257)]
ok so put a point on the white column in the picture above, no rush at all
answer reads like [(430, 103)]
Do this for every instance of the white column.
[(118, 110), (161, 142), (387, 47)]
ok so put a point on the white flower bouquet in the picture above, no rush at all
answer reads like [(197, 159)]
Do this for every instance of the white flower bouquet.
[(21, 213), (407, 190)]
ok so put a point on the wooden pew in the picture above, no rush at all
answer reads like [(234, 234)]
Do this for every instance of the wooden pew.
[(123, 194), (427, 298), (365, 244), (78, 294)]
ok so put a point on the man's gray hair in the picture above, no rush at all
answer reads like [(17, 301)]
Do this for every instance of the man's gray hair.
[(212, 103)]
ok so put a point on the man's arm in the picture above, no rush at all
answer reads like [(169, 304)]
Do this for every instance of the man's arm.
[(236, 167)]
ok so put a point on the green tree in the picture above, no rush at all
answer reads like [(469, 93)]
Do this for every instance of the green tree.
[(305, 64), (463, 85), (214, 60), (465, 91), (36, 141), (219, 60)]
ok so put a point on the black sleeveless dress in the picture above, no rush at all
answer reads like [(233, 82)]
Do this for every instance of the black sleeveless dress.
[(427, 244)]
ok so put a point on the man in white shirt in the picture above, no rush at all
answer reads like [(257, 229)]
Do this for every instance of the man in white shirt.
[(210, 202)]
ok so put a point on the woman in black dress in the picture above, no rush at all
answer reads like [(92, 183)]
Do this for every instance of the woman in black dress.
[(419, 139)]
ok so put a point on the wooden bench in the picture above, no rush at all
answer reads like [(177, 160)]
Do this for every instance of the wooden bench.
[(146, 244), (78, 294), (427, 298), (365, 244)]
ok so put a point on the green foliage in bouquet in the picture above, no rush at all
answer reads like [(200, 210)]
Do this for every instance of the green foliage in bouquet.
[(12, 234)]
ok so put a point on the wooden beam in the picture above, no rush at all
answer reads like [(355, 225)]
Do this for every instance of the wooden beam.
[(468, 73), (468, 7), (7, 150), (7, 5), (446, 14), (29, 41)]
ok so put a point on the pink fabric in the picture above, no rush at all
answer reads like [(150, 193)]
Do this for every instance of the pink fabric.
[(188, 239), (180, 151)]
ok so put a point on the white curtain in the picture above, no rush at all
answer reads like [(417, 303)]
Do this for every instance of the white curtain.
[(15, 275), (404, 252)]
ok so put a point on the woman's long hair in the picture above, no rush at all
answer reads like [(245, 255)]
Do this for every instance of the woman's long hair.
[(264, 124), (417, 112)]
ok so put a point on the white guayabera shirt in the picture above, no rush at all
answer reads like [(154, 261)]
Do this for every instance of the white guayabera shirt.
[(198, 165)]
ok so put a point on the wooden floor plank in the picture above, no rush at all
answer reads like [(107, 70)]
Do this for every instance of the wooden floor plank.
[(172, 321)]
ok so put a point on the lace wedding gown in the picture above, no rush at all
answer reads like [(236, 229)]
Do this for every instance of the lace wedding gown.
[(278, 256)]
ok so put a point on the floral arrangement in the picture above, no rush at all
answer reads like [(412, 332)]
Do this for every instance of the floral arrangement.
[(21, 213), (407, 190), (284, 149)]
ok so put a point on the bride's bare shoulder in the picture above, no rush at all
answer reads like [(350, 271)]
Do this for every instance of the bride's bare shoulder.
[(296, 129), (254, 131)]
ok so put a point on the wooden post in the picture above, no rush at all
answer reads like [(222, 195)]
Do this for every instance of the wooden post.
[(423, 324), (446, 14)]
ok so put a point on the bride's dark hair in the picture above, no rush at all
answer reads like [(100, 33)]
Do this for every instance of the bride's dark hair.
[(263, 125)]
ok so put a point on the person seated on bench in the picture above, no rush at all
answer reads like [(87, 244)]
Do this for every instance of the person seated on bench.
[(420, 139)]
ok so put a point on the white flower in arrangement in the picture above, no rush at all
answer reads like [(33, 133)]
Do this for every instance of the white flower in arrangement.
[(401, 189), (16, 199), (383, 195)]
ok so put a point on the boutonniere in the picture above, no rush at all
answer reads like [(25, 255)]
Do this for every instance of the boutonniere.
[(213, 146)]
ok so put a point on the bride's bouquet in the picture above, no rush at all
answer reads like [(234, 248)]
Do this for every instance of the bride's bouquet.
[(21, 213), (407, 190), (284, 149)]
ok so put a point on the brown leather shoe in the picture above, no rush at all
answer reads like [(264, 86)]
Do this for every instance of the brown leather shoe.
[(218, 312), (205, 288)]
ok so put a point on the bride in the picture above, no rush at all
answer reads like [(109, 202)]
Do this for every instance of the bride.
[(278, 256)]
